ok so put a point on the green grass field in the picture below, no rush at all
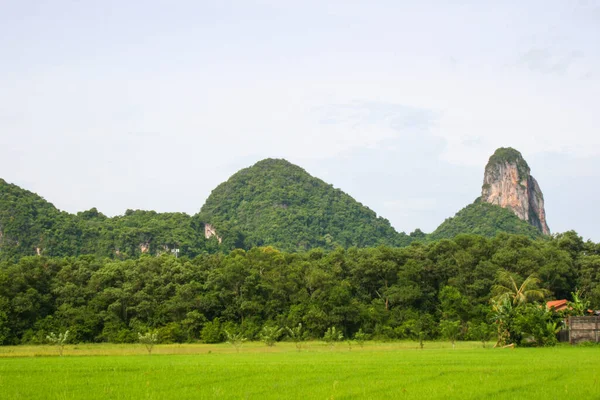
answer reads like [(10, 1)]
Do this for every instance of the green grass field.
[(377, 371)]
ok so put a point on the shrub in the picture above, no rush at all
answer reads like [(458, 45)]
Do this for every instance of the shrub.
[(332, 336), (296, 335), (149, 339), (58, 340), (211, 332), (270, 334), (235, 339), (360, 337)]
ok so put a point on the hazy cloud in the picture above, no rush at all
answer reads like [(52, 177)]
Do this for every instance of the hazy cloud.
[(545, 61)]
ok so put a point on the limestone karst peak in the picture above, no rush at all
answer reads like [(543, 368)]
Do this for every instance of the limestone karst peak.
[(507, 182)]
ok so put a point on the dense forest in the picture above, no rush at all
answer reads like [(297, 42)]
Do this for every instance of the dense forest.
[(383, 292)]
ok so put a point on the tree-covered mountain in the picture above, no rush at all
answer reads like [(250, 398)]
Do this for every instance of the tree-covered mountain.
[(30, 225), (481, 218), (511, 201), (272, 203), (277, 203)]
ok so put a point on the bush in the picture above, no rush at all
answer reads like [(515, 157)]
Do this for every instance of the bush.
[(171, 333), (270, 334), (332, 336), (212, 332)]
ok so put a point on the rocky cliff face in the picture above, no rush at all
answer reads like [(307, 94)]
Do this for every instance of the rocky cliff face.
[(509, 184)]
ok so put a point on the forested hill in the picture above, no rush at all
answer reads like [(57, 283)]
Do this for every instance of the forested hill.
[(481, 218), (277, 203), (272, 203), (29, 225)]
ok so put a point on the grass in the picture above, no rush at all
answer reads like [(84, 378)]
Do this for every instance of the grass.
[(379, 370)]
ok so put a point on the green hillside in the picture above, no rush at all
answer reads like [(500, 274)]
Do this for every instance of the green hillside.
[(30, 225), (484, 219), (272, 203), (277, 203)]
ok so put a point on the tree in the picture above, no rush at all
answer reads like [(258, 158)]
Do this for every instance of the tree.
[(235, 339), (481, 332), (296, 335), (58, 340), (332, 336), (270, 334), (578, 306), (450, 330), (148, 339), (360, 337), (501, 316), (507, 287)]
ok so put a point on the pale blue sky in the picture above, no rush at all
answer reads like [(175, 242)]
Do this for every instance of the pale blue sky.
[(151, 104)]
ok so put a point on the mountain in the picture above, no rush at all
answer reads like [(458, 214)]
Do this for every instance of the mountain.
[(508, 183), (481, 218), (272, 203), (511, 201), (30, 225), (277, 203), (25, 221)]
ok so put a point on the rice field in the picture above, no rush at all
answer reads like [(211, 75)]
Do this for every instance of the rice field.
[(396, 370)]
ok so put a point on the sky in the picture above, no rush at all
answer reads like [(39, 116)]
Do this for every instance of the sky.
[(151, 104)]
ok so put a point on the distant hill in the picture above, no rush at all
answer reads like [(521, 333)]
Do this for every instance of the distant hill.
[(511, 201), (279, 204), (30, 225), (272, 203), (481, 218)]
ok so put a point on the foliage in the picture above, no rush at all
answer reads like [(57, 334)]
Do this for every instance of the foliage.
[(502, 315), (481, 218), (296, 335), (279, 204), (450, 330), (360, 337), (29, 225), (525, 324), (211, 332), (235, 339), (535, 326), (148, 339), (270, 334), (386, 293), (578, 306), (332, 336), (58, 340), (481, 332), (507, 287), (272, 203)]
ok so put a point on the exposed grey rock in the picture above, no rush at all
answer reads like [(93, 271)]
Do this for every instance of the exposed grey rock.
[(508, 183)]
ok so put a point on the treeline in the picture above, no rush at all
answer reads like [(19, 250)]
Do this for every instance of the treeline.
[(388, 293)]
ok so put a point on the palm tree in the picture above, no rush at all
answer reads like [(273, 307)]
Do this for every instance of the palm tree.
[(508, 288)]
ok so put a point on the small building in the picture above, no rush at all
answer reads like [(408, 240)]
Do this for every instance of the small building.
[(557, 305)]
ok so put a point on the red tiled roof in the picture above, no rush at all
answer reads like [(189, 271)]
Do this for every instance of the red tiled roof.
[(557, 304)]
